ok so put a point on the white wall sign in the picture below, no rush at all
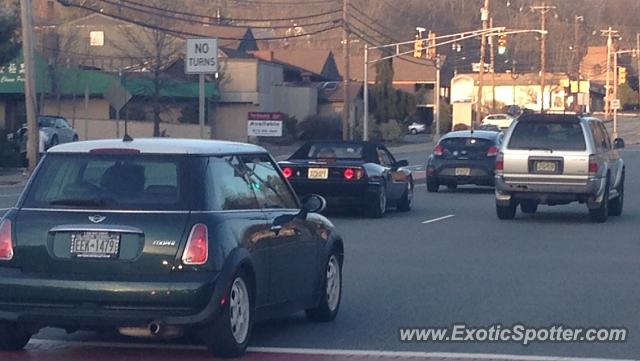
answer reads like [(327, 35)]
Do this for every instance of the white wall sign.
[(264, 124), (615, 104), (202, 56)]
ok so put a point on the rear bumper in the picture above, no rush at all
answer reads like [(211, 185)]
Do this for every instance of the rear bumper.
[(590, 191), (481, 172), (178, 299), (339, 194)]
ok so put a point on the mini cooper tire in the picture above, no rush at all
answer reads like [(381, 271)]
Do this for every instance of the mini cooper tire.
[(13, 337), (506, 212), (229, 334), (331, 293), (601, 214), (432, 185)]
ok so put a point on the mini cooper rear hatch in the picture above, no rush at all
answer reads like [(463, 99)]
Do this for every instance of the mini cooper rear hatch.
[(158, 237)]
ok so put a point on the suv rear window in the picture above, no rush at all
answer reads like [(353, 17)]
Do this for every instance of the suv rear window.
[(554, 135), (145, 182)]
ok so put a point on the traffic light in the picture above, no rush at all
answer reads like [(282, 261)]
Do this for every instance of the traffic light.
[(431, 51), (502, 44), (418, 47), (622, 75)]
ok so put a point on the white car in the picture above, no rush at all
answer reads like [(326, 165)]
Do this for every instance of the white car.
[(502, 121), (415, 128)]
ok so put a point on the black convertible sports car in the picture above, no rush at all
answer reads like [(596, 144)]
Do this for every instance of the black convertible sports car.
[(361, 174)]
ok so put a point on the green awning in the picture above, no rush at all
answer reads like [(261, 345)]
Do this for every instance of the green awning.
[(12, 76)]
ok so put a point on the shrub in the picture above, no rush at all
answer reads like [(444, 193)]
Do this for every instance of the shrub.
[(320, 127)]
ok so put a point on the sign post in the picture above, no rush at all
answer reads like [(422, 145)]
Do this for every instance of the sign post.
[(201, 59)]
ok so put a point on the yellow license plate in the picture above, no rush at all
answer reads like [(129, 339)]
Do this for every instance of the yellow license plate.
[(318, 173), (463, 172), (545, 166)]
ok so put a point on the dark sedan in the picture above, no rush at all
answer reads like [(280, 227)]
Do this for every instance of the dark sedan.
[(361, 174), (161, 237), (463, 157)]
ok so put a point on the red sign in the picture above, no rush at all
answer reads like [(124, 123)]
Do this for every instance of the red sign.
[(265, 116)]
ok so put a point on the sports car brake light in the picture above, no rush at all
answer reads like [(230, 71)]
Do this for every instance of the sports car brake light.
[(492, 151), (287, 172), (353, 173), (197, 250), (438, 151), (6, 242)]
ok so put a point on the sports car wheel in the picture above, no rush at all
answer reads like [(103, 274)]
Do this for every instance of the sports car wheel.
[(404, 204), (378, 207)]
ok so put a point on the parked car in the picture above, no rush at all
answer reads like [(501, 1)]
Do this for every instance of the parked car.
[(157, 237), (361, 174), (54, 130), (416, 128), (502, 121), (463, 157), (559, 159)]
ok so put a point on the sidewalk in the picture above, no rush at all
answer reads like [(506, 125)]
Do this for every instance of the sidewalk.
[(13, 176)]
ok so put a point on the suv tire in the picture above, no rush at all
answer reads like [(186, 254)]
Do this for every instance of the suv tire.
[(529, 207), (616, 204), (601, 214), (506, 212)]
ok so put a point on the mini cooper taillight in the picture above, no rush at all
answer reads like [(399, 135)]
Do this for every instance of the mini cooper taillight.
[(197, 250), (6, 243)]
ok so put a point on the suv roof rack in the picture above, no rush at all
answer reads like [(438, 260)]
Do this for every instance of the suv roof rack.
[(554, 117)]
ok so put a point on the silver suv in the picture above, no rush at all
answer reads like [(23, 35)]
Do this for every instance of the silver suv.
[(559, 159)]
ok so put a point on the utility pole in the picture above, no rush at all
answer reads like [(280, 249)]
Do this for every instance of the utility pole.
[(484, 16), (33, 139), (492, 42), (609, 33), (544, 9), (346, 126)]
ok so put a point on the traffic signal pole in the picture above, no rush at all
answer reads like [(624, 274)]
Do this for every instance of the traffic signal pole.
[(33, 133), (484, 15)]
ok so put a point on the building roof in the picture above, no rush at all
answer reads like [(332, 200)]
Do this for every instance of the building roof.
[(594, 64), (160, 146), (405, 69), (333, 92), (315, 61)]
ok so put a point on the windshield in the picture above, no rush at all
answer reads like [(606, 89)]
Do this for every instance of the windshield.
[(335, 151), (108, 182), (465, 147), (548, 135)]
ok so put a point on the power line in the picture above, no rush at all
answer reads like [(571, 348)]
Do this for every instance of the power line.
[(183, 34), (166, 14), (214, 18)]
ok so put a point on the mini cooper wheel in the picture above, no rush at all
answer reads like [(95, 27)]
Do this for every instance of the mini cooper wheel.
[(432, 185), (331, 292), (230, 333), (13, 337)]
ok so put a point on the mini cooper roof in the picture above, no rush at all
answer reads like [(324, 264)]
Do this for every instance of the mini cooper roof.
[(158, 146)]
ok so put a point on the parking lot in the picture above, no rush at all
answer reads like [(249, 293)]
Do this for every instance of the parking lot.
[(449, 260)]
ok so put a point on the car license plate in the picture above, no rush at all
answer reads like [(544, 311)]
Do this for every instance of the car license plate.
[(463, 172), (546, 166), (95, 245), (318, 173)]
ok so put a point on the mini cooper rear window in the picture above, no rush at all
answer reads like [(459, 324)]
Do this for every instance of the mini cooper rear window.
[(554, 135), (107, 182)]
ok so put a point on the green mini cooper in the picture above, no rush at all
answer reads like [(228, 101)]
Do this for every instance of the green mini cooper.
[(158, 237)]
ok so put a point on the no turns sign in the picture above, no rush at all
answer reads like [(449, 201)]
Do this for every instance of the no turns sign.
[(202, 56)]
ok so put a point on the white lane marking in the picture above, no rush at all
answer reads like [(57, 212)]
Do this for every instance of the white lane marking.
[(329, 352), (439, 219), (4, 209)]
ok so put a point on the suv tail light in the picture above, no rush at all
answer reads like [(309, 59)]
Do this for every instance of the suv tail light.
[(6, 242), (499, 162), (353, 173), (287, 172), (438, 150), (197, 250), (492, 151), (593, 166)]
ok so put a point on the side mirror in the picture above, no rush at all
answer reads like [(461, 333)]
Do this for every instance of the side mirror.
[(401, 163), (618, 143), (313, 204)]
